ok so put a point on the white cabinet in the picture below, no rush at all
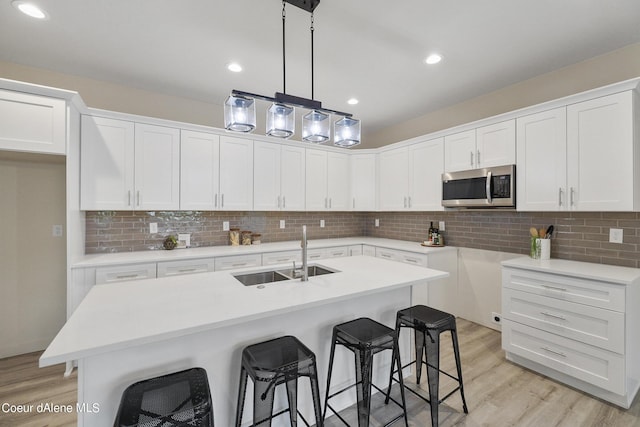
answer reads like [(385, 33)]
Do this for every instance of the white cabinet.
[(402, 256), (541, 168), (279, 177), (237, 261), (574, 329), (368, 250), (363, 182), (410, 177), (32, 123), (236, 173), (580, 157), (191, 266), (602, 154), (355, 250), (125, 273), (282, 257), (199, 171), (126, 165), (327, 181), (492, 145)]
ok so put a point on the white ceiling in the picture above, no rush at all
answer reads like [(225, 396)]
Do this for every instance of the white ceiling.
[(373, 50)]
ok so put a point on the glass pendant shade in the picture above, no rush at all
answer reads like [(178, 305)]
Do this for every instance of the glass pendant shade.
[(280, 120), (346, 132), (239, 114), (316, 127)]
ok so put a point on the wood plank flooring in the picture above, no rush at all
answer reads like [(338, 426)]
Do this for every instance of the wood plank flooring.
[(498, 393)]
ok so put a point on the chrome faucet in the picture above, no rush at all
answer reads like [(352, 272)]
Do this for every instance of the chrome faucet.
[(305, 270)]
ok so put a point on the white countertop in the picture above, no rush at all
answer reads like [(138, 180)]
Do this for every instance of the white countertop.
[(121, 315), (120, 258), (585, 270)]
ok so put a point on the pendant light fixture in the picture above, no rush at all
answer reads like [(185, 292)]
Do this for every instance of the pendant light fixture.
[(280, 118)]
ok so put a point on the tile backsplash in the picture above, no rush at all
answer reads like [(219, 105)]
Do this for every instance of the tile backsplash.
[(582, 236)]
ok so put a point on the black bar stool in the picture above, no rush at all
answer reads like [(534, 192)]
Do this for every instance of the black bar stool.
[(428, 323), (365, 337), (180, 399), (269, 364)]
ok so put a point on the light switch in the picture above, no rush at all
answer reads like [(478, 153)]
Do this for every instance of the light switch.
[(225, 225), (441, 225), (57, 231), (377, 222), (153, 227), (282, 223), (322, 223), (615, 235)]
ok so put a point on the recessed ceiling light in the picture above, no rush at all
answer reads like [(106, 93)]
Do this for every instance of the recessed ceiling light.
[(235, 67), (434, 58), (352, 101), (30, 9)]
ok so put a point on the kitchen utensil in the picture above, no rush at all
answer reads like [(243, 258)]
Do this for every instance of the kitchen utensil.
[(549, 231), (533, 232), (542, 233)]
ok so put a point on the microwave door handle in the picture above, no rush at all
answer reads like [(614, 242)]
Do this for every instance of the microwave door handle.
[(488, 187)]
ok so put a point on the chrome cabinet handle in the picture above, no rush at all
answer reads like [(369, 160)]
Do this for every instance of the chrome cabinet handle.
[(559, 353), (138, 198), (215, 202), (571, 191), (330, 202), (411, 260), (186, 270), (239, 264), (554, 288), (354, 203), (555, 316), (471, 158), (488, 187), (478, 157), (560, 196), (222, 200), (382, 254), (405, 202), (284, 202), (409, 201), (126, 276)]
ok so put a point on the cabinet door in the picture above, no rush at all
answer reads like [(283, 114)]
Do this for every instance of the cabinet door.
[(292, 178), (338, 181), (460, 151), (236, 173), (601, 153), (496, 144), (541, 161), (199, 170), (32, 123), (316, 180), (157, 167), (363, 182), (106, 164), (426, 165), (266, 177), (393, 184)]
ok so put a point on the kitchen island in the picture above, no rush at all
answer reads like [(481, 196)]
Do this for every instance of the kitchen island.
[(124, 332)]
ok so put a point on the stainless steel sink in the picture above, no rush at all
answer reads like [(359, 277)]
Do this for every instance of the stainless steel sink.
[(252, 279), (270, 276)]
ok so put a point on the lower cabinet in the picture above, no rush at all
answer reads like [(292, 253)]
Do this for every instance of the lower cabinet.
[(575, 330), (237, 261), (124, 273), (192, 266)]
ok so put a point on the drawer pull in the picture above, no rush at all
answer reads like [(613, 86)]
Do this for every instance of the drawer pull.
[(186, 270), (411, 260), (337, 253), (555, 316), (385, 255), (239, 264), (126, 276), (559, 353), (282, 259), (314, 256), (555, 288)]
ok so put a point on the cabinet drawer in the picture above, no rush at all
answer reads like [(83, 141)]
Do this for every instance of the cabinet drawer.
[(402, 256), (284, 257), (591, 325), (316, 254), (368, 250), (238, 261), (124, 273), (336, 252), (590, 364), (581, 291), (177, 268)]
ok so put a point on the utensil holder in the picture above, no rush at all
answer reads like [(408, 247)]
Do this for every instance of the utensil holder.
[(544, 248)]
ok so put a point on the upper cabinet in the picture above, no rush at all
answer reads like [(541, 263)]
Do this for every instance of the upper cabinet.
[(410, 177), (127, 166), (279, 177), (236, 173), (579, 157), (492, 145), (32, 123), (327, 181), (199, 171), (363, 182)]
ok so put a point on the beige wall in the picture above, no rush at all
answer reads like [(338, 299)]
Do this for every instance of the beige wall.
[(609, 68), (32, 261), (612, 67)]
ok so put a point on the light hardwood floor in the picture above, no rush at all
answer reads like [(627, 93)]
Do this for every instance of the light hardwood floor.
[(498, 393)]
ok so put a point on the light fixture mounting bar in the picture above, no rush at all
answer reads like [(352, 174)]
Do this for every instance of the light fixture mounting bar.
[(308, 5), (296, 101)]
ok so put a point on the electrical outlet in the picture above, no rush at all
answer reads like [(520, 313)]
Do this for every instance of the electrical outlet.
[(615, 235), (441, 225), (56, 231), (184, 240), (377, 222), (496, 318), (225, 225), (322, 223), (282, 223), (153, 227)]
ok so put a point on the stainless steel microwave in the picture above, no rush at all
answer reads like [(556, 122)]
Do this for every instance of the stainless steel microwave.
[(480, 188)]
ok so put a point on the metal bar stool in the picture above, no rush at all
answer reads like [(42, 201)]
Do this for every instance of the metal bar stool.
[(180, 399), (365, 337), (269, 364), (428, 323)]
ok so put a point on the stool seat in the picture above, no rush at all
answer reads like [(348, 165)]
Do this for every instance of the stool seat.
[(271, 363), (422, 317), (364, 337), (179, 399)]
